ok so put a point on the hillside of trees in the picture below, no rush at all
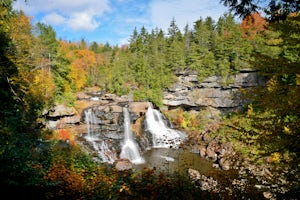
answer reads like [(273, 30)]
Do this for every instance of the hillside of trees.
[(38, 70)]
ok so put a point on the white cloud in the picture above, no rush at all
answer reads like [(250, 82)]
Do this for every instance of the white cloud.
[(54, 19), (124, 41), (117, 18), (82, 21), (137, 20), (77, 14), (184, 11)]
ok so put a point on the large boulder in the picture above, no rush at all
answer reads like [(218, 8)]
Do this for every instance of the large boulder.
[(123, 164), (138, 107), (61, 111)]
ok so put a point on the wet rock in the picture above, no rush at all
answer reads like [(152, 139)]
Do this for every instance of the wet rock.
[(202, 181), (269, 195), (225, 163), (202, 151), (194, 174), (211, 151), (123, 164)]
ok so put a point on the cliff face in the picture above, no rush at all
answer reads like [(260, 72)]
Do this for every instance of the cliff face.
[(189, 93)]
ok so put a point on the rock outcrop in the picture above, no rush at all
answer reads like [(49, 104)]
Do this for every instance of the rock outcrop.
[(189, 93), (59, 116)]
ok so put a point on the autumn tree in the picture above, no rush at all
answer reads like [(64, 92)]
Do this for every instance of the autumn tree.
[(275, 109), (83, 67)]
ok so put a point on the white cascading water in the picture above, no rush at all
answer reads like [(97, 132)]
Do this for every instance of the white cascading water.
[(130, 148), (163, 136), (105, 154)]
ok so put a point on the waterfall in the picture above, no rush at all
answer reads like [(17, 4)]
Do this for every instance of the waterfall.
[(100, 146), (90, 119), (130, 148), (163, 136)]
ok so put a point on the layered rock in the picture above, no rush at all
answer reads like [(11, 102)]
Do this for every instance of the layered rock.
[(189, 93), (59, 116)]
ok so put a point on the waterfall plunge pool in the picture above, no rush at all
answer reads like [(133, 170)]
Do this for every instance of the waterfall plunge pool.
[(170, 160), (164, 154)]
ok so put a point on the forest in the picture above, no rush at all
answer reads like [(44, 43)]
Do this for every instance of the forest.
[(38, 70)]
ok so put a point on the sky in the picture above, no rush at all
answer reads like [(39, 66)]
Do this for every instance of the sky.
[(113, 21)]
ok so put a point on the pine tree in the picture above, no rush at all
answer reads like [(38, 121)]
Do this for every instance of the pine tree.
[(201, 58), (175, 52)]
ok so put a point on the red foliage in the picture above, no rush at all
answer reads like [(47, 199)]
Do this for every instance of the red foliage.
[(66, 182), (65, 134), (179, 119), (253, 24)]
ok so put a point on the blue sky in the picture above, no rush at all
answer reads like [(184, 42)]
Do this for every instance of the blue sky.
[(113, 21)]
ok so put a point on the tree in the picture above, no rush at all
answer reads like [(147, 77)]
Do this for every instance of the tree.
[(175, 51), (232, 52), (252, 25), (276, 9), (201, 57), (276, 106), (94, 47), (83, 67)]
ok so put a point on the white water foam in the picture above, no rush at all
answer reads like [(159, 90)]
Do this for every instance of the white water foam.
[(130, 148), (163, 136), (100, 146)]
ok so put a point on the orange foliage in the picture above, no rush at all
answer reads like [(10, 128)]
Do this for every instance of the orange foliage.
[(179, 119), (83, 63), (65, 134), (252, 24), (66, 182)]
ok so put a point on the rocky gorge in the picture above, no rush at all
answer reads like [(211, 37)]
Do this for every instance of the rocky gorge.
[(212, 95)]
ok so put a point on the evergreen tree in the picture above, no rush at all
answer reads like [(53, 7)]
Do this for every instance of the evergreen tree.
[(94, 47), (175, 51), (201, 57), (232, 51)]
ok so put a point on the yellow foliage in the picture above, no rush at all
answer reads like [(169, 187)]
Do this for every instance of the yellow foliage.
[(287, 130), (43, 86), (272, 84), (298, 79), (249, 110), (78, 77), (276, 157), (20, 33), (124, 188), (274, 41), (83, 64)]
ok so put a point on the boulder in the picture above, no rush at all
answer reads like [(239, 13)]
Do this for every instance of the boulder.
[(194, 174), (225, 163), (123, 164), (61, 110), (202, 181), (138, 107), (116, 109)]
